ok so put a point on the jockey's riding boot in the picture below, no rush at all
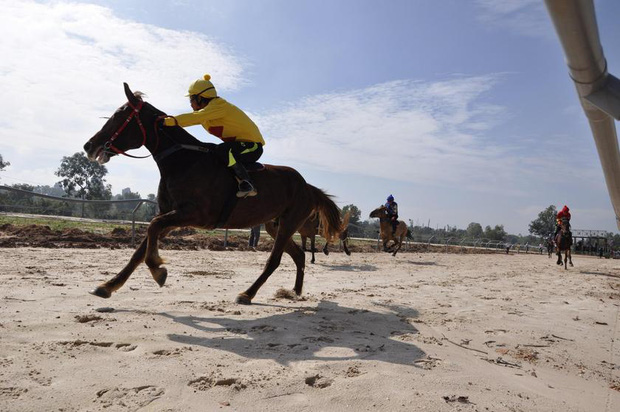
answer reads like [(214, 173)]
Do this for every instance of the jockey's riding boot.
[(246, 188)]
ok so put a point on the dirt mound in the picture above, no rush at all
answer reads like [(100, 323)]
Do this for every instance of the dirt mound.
[(181, 239)]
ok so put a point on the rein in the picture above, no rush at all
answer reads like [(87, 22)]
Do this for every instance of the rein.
[(158, 157)]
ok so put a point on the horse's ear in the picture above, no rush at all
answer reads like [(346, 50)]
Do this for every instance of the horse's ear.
[(130, 96)]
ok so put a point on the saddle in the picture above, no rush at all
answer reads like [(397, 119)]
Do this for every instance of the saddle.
[(254, 167)]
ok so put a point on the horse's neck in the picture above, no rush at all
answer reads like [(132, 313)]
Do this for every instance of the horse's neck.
[(169, 135)]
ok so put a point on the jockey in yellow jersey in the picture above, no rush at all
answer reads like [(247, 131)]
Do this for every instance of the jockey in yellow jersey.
[(243, 142)]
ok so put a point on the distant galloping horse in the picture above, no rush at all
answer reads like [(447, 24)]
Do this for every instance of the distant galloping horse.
[(197, 190), (564, 241), (310, 229), (386, 230), (550, 246)]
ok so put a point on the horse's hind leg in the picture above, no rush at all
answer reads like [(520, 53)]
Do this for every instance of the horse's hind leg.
[(570, 258), (299, 258), (105, 290), (272, 264), (312, 248), (286, 229)]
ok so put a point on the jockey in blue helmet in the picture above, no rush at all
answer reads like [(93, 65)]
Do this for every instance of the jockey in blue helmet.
[(392, 211)]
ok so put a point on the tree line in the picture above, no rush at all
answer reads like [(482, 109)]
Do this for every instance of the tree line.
[(82, 179)]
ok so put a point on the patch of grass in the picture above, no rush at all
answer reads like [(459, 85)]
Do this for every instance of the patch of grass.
[(59, 223)]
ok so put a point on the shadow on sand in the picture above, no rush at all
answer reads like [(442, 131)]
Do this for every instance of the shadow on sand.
[(610, 275), (326, 332), (349, 268)]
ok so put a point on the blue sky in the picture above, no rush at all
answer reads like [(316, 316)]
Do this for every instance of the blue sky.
[(463, 110)]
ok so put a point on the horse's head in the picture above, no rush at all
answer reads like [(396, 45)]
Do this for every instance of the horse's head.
[(564, 224), (379, 212), (123, 131)]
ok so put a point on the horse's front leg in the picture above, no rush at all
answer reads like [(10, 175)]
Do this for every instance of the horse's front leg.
[(570, 259), (559, 252), (105, 290), (400, 243), (159, 227)]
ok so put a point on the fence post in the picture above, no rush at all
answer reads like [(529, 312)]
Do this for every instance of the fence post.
[(133, 223)]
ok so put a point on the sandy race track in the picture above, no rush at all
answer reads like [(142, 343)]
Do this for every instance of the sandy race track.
[(422, 331)]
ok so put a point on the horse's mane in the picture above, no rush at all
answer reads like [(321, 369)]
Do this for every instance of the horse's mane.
[(179, 134)]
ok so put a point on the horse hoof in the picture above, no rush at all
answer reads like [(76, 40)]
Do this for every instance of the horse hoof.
[(160, 275), (243, 299), (348, 253), (326, 252), (101, 292)]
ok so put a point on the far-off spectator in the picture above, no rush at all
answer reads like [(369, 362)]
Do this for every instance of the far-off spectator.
[(254, 236)]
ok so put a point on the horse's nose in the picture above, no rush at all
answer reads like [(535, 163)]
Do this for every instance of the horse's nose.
[(87, 146)]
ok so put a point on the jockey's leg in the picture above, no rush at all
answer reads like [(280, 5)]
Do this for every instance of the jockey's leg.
[(246, 188), (234, 154)]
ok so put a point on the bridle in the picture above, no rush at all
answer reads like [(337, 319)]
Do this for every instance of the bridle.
[(135, 113)]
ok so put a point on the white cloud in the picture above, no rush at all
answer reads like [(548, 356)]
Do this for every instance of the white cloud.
[(523, 17), (63, 65), (411, 131)]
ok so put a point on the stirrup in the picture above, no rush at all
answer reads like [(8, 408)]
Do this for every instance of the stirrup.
[(248, 192)]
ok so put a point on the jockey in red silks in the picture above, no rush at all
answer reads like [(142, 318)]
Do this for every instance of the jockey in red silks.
[(564, 213)]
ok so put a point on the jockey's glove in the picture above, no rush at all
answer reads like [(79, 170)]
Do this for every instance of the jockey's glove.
[(170, 121)]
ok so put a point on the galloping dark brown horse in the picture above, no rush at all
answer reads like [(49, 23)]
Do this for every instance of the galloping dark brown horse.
[(386, 230), (195, 189)]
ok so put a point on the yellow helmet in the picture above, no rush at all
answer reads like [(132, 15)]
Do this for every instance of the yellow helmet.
[(202, 87)]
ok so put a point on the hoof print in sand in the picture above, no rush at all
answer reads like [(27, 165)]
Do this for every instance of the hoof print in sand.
[(318, 381), (205, 383), (131, 398)]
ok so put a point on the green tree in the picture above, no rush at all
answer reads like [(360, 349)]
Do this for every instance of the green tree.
[(3, 164), (474, 230), (83, 178), (496, 233), (355, 213), (544, 225)]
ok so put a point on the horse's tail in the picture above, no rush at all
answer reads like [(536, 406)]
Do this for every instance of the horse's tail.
[(409, 235), (329, 214)]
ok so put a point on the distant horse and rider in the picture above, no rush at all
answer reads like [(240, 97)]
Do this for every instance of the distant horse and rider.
[(197, 189), (388, 233), (550, 245), (564, 241), (312, 228)]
